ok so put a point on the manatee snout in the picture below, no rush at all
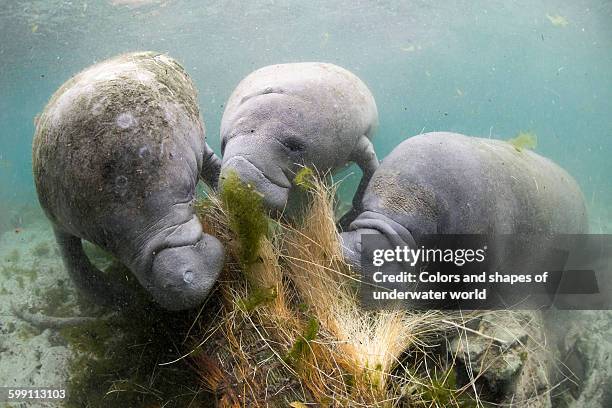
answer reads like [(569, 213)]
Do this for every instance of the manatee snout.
[(268, 179), (183, 276)]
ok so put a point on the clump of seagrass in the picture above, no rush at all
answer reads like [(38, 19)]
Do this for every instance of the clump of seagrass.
[(291, 327)]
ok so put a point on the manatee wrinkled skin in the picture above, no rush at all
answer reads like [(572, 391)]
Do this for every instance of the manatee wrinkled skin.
[(447, 183), (117, 154), (283, 117)]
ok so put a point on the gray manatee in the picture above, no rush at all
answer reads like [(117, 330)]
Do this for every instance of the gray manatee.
[(447, 183), (116, 158), (283, 117)]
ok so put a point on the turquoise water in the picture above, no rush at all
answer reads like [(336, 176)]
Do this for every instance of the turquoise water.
[(482, 68), (479, 68)]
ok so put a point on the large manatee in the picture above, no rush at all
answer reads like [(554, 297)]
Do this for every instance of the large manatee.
[(116, 158), (283, 117), (447, 183)]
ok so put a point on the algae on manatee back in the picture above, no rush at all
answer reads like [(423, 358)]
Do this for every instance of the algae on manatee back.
[(524, 140)]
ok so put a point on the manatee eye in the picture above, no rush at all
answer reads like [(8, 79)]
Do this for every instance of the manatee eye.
[(293, 145)]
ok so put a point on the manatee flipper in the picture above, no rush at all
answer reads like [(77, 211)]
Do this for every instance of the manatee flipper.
[(365, 157), (211, 167), (86, 277)]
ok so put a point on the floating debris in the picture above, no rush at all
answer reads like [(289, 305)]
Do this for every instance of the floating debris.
[(524, 140), (411, 48), (557, 20)]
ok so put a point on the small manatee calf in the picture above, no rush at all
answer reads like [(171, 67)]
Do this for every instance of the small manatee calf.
[(447, 183), (284, 117), (117, 154)]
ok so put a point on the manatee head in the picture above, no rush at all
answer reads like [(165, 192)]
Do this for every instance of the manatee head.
[(172, 258), (183, 276), (281, 118), (269, 137)]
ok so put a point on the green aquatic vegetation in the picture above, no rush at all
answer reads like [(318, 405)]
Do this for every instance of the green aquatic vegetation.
[(202, 205), (18, 273), (41, 250), (31, 273), (301, 345), (375, 375), (90, 337), (58, 301), (247, 216), (256, 298), (26, 332), (524, 140), (13, 256), (440, 390), (305, 179), (118, 361)]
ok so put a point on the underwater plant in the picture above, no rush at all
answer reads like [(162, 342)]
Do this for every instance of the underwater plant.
[(41, 249), (116, 356), (284, 328), (524, 140), (118, 361), (246, 215), (290, 330), (441, 390), (305, 179)]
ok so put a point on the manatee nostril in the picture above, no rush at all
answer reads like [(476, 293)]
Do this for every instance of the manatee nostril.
[(188, 276)]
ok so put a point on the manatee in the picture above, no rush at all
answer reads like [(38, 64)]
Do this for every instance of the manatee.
[(117, 154), (284, 117), (448, 183)]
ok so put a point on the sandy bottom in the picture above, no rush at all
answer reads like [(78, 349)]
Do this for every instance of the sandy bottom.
[(31, 271)]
